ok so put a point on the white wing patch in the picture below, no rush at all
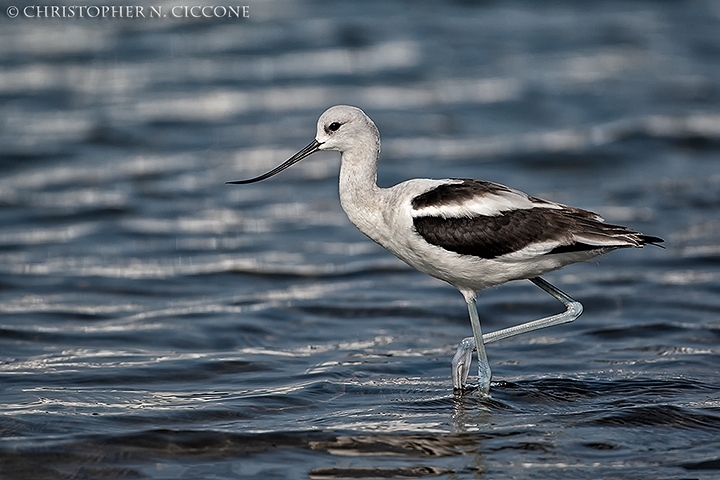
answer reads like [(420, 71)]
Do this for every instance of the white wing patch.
[(606, 240), (538, 249), (486, 204), (533, 250)]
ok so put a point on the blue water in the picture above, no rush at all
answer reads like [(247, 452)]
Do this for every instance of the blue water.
[(156, 323)]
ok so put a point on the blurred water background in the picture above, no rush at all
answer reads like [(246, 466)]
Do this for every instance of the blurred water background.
[(156, 323)]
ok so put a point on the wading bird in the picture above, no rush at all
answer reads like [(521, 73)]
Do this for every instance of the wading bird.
[(473, 234)]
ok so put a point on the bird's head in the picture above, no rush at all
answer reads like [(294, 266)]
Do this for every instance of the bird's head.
[(340, 128)]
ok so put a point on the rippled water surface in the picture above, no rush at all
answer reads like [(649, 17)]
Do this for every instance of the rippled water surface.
[(156, 323)]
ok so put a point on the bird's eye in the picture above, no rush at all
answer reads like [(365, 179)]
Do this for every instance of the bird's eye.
[(334, 126)]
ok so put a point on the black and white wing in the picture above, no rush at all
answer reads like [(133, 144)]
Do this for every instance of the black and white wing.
[(488, 220)]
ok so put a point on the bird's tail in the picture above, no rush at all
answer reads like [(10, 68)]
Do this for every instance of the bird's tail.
[(649, 240)]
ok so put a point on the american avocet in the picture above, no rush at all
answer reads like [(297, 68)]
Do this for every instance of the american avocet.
[(472, 234)]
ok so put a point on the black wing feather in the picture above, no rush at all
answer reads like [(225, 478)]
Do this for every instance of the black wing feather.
[(493, 236)]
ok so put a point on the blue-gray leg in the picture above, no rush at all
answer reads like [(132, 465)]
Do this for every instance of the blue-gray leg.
[(461, 363), (463, 355)]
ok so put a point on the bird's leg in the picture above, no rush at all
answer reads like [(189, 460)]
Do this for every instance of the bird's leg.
[(461, 364), (463, 356), (573, 309)]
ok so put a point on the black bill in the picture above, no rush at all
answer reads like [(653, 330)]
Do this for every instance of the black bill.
[(305, 152)]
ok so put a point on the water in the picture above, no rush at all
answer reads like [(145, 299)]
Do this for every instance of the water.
[(157, 323)]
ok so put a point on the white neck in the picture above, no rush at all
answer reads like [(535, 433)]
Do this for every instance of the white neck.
[(360, 196)]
